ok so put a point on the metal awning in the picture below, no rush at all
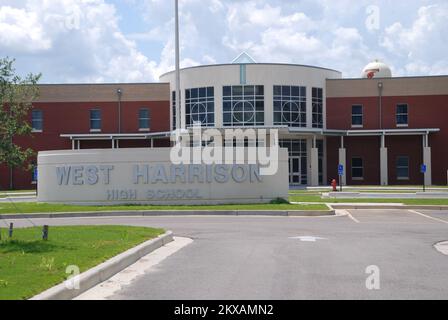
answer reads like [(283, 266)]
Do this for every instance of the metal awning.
[(365, 133), (282, 129), (391, 132), (117, 136)]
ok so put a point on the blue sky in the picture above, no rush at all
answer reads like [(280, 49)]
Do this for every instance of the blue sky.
[(132, 40)]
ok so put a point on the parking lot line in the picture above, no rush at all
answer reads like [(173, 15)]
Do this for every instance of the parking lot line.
[(348, 214), (429, 217)]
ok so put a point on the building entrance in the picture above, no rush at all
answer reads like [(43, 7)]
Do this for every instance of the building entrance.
[(298, 174)]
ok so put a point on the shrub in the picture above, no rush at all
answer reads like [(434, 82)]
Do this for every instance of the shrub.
[(280, 201)]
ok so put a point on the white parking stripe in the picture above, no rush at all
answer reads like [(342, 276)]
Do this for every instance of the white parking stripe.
[(348, 214), (429, 217)]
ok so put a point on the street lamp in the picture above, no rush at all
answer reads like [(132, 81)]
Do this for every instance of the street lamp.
[(178, 97), (119, 94), (380, 94)]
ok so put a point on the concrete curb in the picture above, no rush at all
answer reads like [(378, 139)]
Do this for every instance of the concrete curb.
[(106, 270), (385, 207), (166, 214)]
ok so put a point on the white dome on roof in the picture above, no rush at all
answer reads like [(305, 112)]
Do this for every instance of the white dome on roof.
[(376, 69)]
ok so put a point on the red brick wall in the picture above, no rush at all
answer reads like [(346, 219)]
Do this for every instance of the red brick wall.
[(367, 148), (74, 118), (424, 112), (407, 146)]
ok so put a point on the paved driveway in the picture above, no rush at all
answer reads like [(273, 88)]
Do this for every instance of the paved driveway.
[(265, 258)]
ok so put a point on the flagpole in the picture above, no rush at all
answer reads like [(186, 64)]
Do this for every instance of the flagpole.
[(178, 94)]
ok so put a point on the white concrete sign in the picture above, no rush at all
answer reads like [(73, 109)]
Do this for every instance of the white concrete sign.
[(147, 176)]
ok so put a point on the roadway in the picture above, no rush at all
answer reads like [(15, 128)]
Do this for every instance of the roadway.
[(266, 258)]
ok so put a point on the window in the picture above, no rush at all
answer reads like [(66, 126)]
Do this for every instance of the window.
[(144, 119), (290, 106), (200, 106), (243, 105), (174, 110), (320, 153), (95, 120), (357, 168), (402, 115), (318, 108), (37, 120), (357, 116), (403, 168)]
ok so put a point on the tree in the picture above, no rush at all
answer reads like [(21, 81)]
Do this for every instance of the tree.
[(16, 100)]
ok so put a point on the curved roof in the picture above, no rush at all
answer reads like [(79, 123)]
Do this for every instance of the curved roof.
[(252, 64)]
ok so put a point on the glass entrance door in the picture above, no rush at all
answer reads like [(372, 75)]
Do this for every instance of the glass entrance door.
[(295, 171), (297, 161)]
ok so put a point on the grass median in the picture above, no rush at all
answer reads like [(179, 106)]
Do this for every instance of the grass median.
[(29, 266), (22, 208)]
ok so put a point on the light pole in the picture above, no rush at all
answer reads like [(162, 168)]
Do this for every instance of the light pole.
[(178, 97), (380, 95), (119, 94)]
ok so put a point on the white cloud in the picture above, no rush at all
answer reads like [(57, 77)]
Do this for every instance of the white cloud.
[(271, 35), (89, 40), (422, 46), (22, 31), (76, 41)]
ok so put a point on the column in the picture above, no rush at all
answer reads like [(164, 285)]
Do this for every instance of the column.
[(219, 121), (309, 107), (343, 160), (314, 157), (383, 162), (427, 160)]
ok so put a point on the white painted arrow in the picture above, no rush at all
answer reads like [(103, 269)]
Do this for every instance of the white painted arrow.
[(308, 238)]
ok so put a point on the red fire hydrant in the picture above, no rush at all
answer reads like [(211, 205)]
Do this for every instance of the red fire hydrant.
[(334, 184)]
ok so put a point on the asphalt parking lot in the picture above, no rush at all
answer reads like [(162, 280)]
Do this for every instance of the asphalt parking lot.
[(294, 258)]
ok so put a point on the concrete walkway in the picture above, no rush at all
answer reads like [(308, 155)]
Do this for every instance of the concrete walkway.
[(388, 195)]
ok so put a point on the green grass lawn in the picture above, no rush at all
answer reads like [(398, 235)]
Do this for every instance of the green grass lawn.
[(6, 208), (29, 265), (319, 192), (317, 198)]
